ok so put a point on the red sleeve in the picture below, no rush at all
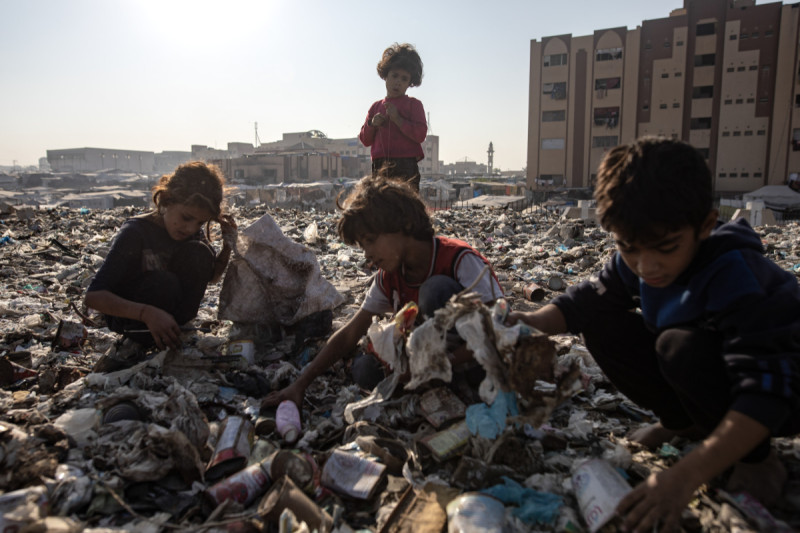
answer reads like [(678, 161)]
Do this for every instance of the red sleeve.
[(416, 127), (367, 135)]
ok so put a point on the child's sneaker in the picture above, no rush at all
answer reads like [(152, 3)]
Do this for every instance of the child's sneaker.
[(122, 354)]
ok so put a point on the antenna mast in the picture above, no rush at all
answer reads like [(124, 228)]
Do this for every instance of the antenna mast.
[(258, 141)]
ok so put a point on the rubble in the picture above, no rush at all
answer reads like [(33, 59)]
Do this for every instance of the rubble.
[(163, 445)]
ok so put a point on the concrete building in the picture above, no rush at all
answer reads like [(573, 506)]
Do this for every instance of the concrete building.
[(721, 74), (94, 159), (356, 161)]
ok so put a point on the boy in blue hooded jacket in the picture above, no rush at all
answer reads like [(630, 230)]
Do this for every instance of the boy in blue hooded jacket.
[(690, 320)]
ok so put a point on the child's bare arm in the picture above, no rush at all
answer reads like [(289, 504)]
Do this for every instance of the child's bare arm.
[(660, 499), (549, 319), (162, 325), (340, 344)]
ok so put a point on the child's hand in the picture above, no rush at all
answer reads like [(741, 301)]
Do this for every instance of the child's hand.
[(229, 229), (392, 112), (377, 121), (165, 331)]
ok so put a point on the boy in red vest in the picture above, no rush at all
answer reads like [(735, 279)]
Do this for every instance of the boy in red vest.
[(388, 221)]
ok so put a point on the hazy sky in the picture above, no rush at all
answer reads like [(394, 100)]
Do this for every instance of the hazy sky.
[(165, 74)]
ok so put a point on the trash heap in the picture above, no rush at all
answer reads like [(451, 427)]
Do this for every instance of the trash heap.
[(179, 441)]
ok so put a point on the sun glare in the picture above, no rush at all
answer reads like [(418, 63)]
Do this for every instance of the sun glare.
[(185, 21)]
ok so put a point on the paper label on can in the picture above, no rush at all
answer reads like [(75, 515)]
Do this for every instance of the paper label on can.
[(352, 474), (599, 489), (447, 442)]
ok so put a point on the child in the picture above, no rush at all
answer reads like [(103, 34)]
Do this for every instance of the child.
[(155, 274), (396, 126), (714, 351), (387, 220)]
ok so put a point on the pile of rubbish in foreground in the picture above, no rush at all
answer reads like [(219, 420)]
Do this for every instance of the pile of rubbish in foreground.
[(531, 438)]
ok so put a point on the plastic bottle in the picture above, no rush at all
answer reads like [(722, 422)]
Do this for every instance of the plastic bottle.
[(287, 421)]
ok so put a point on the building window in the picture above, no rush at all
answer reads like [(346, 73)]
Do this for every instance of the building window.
[(743, 36), (726, 134), (768, 33), (707, 28), (648, 46), (554, 116), (765, 68), (734, 175), (756, 174), (763, 100), (746, 174), (553, 144), (676, 104), (753, 67), (678, 74), (606, 116), (740, 69), (722, 175), (665, 74), (754, 35), (728, 101), (751, 100), (608, 54), (700, 123), (557, 91), (748, 133), (606, 83), (761, 132), (739, 101), (704, 60), (667, 44), (645, 107), (662, 106), (703, 91), (733, 37), (737, 133), (554, 60), (797, 100), (607, 141), (678, 43), (550, 179), (796, 140), (730, 69)]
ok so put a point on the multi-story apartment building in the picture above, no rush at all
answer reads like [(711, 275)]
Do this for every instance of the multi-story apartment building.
[(721, 74)]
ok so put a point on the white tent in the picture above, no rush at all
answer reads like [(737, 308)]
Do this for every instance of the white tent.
[(776, 197)]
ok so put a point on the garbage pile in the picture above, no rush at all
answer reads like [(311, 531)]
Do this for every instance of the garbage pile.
[(179, 441)]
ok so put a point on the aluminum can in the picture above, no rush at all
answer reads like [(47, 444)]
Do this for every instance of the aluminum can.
[(232, 450), (243, 487)]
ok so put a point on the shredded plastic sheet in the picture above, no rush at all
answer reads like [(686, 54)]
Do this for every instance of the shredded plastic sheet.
[(533, 507), (489, 421), (272, 279)]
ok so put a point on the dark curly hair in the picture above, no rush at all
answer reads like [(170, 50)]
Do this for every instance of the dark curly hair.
[(403, 56), (651, 187), (379, 205), (197, 184)]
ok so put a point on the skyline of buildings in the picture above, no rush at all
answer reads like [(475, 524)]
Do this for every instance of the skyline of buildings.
[(722, 75)]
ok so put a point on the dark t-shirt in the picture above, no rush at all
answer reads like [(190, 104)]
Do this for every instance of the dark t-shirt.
[(140, 246)]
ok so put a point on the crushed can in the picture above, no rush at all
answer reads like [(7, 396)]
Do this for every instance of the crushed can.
[(284, 494), (243, 487), (232, 449), (245, 349), (533, 292)]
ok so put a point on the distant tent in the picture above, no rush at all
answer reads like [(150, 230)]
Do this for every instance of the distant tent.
[(775, 197)]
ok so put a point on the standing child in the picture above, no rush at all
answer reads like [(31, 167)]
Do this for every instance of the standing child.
[(715, 348), (388, 220), (155, 275), (396, 125)]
